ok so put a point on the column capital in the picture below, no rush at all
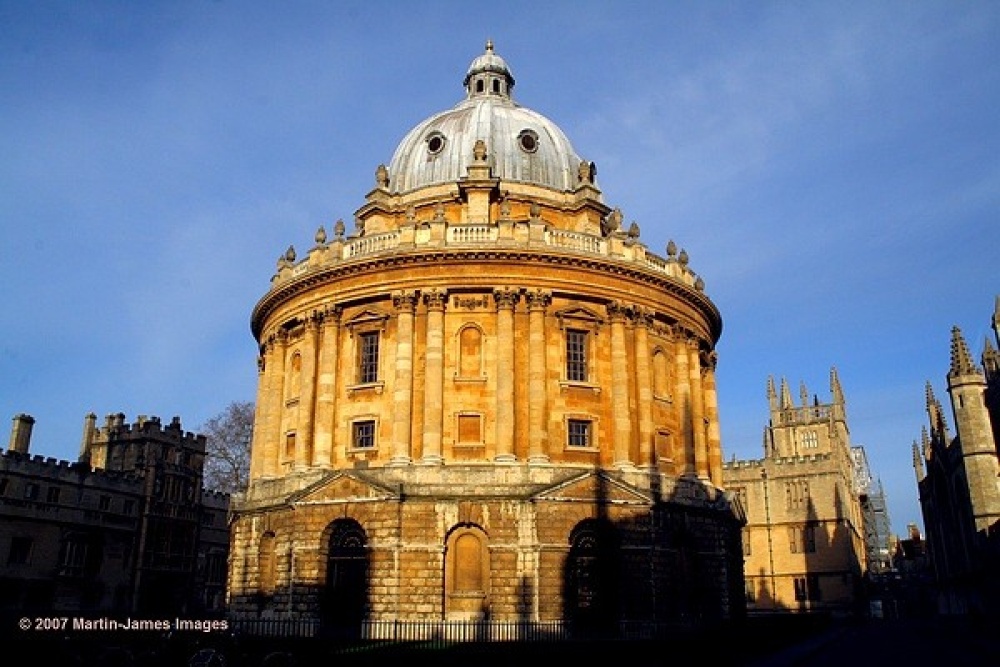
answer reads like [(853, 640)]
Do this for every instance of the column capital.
[(435, 298), (404, 301), (617, 311), (506, 297), (538, 299), (644, 317)]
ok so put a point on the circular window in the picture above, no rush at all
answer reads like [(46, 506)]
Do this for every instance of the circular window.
[(435, 143), (528, 141)]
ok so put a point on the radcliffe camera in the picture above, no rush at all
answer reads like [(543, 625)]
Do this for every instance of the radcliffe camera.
[(483, 414)]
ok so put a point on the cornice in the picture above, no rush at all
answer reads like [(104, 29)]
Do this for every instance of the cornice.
[(321, 275)]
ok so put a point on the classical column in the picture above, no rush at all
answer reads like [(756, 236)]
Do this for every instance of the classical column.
[(434, 376), (697, 409), (402, 401), (619, 386), (506, 300), (686, 463), (307, 393), (712, 416), (326, 388), (538, 301), (643, 319), (259, 427)]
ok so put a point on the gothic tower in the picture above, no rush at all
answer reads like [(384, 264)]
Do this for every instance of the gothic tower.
[(957, 481), (804, 540)]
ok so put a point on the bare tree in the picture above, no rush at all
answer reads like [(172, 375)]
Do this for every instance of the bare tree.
[(227, 445)]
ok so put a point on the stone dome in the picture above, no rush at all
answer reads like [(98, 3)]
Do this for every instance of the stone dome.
[(521, 145)]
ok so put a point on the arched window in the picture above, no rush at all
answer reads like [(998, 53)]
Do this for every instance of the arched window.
[(661, 388), (294, 376), (470, 352)]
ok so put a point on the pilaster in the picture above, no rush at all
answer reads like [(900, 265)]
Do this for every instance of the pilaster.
[(402, 402), (434, 377), (506, 300)]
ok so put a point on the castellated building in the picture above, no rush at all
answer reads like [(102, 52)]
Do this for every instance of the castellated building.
[(957, 480), (804, 541), (127, 528), (486, 402)]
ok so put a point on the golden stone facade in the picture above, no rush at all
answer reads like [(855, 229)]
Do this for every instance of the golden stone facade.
[(803, 542), (489, 401)]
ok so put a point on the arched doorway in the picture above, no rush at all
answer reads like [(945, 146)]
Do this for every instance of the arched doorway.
[(591, 579), (345, 594)]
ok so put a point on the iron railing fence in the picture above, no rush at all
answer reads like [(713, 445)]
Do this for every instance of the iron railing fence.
[(450, 631)]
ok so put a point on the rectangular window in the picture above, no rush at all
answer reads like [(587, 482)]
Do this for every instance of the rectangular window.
[(809, 539), (30, 491), (104, 504), (290, 444), (579, 433), (469, 428), (52, 495), (746, 542), (128, 508), (20, 551), (368, 357), (576, 355), (364, 434), (800, 589), (812, 587)]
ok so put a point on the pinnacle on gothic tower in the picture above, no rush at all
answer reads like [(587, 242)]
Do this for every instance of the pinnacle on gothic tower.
[(918, 462), (938, 423), (835, 388), (961, 359), (996, 320), (772, 395), (786, 394), (803, 394)]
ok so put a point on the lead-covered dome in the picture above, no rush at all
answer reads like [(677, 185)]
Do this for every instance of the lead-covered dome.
[(522, 145)]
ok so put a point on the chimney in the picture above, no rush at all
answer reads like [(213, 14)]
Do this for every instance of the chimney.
[(20, 434), (89, 429)]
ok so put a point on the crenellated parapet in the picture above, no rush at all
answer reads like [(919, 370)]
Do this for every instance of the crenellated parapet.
[(60, 470)]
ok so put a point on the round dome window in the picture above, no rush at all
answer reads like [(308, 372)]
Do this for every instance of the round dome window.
[(528, 141), (435, 143)]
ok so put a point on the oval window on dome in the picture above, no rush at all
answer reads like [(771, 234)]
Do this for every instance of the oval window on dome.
[(528, 141), (435, 143)]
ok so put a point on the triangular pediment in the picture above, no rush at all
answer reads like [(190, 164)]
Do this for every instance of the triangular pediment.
[(579, 314), (343, 486), (365, 318), (594, 486)]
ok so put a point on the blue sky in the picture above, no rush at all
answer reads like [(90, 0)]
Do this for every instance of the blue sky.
[(832, 169)]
